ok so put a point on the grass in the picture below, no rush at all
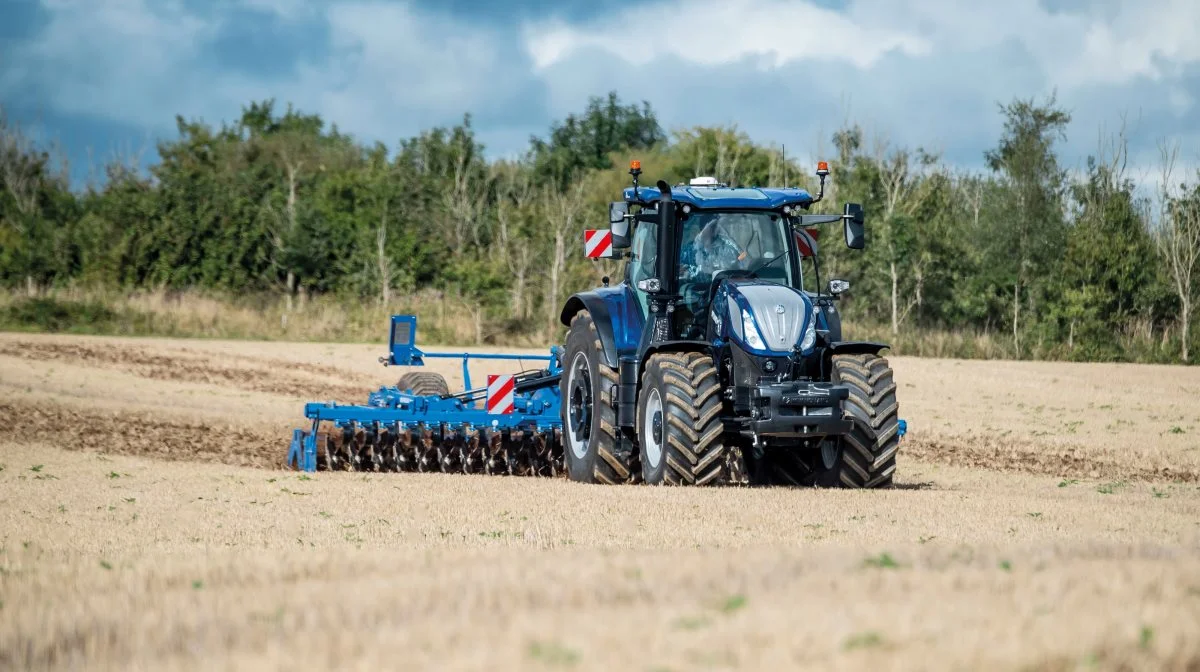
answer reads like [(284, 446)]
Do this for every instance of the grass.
[(864, 640), (882, 561), (194, 314), (733, 603), (444, 320), (553, 653)]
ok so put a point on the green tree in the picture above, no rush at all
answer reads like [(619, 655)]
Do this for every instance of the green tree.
[(585, 141), (1108, 266), (1177, 238), (1029, 231)]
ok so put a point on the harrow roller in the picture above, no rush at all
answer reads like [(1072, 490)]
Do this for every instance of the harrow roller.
[(425, 449)]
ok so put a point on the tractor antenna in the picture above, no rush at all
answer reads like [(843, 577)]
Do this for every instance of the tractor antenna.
[(635, 169), (783, 151)]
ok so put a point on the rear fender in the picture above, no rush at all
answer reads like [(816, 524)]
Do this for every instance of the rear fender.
[(617, 317)]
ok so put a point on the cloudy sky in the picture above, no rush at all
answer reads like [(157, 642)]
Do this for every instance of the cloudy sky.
[(110, 75)]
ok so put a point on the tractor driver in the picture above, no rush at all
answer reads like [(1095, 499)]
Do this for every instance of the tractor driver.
[(708, 253)]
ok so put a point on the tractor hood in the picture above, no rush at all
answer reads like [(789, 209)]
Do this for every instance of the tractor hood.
[(768, 318)]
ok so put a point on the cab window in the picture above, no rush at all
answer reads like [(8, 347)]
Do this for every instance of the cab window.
[(643, 252)]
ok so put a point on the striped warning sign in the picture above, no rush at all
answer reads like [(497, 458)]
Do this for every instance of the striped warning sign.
[(500, 394), (597, 243)]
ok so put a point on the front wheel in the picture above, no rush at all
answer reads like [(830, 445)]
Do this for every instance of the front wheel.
[(867, 455), (680, 432)]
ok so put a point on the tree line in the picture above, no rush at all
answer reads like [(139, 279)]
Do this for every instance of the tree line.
[(280, 203)]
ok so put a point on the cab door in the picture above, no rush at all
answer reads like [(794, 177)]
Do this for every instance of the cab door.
[(643, 252)]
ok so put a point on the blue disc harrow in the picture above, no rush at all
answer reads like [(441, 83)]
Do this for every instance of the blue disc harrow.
[(509, 426)]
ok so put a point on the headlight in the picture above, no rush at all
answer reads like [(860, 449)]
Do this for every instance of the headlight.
[(750, 329), (810, 331)]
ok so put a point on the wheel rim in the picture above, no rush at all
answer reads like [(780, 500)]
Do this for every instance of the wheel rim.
[(652, 430), (579, 406), (829, 454)]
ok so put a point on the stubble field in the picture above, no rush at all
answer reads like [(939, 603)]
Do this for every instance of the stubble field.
[(1047, 516)]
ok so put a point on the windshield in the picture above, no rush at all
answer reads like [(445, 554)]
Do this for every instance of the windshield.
[(718, 241)]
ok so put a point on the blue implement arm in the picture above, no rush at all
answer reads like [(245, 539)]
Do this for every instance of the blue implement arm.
[(403, 350)]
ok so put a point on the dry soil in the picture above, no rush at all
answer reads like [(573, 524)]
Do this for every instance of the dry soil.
[(1047, 516)]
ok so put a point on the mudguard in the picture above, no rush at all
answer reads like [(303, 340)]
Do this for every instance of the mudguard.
[(675, 346), (617, 317), (855, 348)]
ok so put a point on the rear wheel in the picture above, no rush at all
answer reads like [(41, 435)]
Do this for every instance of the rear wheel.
[(423, 383), (593, 447), (680, 433)]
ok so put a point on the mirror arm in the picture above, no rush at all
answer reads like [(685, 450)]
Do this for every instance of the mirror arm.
[(813, 220)]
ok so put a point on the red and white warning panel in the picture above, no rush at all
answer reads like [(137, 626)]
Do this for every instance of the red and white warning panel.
[(597, 243), (500, 394)]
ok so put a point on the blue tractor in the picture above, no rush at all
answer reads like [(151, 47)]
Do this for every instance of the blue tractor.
[(717, 359)]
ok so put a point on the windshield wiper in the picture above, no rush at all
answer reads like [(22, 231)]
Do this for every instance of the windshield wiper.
[(768, 263)]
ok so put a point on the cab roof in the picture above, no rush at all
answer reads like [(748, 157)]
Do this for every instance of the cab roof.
[(725, 198)]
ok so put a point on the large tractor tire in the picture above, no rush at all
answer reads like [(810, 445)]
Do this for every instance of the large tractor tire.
[(423, 383), (679, 421), (867, 456), (594, 450)]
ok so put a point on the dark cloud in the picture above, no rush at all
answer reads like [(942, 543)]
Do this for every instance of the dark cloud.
[(110, 74), (261, 43)]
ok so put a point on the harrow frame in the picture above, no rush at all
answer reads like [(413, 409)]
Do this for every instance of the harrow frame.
[(390, 411)]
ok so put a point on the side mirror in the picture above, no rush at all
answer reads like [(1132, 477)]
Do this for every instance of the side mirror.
[(618, 222), (852, 218)]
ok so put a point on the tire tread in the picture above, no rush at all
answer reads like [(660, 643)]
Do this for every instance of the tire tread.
[(868, 457)]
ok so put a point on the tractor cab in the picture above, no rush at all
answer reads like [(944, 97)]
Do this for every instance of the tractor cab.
[(715, 245), (718, 235)]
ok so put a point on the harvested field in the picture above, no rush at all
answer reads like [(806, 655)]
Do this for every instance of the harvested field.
[(1047, 516)]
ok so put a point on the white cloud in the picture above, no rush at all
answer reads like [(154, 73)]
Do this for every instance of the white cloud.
[(284, 9), (713, 32), (1141, 38), (136, 62), (391, 70)]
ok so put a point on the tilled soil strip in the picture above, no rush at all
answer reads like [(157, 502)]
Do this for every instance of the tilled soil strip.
[(1015, 455), (143, 435), (270, 376), (130, 433)]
